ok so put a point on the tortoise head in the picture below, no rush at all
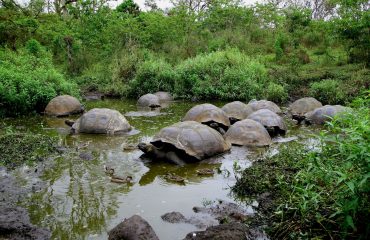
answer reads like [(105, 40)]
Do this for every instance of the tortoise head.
[(145, 147)]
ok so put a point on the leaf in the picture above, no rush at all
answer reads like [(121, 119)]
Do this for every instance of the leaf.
[(349, 221), (351, 186)]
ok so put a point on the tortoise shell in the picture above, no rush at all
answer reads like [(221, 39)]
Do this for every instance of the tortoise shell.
[(248, 133)]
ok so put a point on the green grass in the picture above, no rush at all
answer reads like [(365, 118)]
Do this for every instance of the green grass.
[(321, 194)]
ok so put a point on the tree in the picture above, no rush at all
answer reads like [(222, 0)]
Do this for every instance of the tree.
[(129, 7)]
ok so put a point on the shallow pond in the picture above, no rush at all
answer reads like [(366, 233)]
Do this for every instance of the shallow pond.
[(80, 202)]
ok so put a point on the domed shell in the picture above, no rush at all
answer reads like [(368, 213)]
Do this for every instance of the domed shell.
[(101, 121), (196, 139), (149, 100), (269, 120), (325, 113), (304, 105), (164, 96), (63, 106), (237, 110), (248, 133), (207, 113), (264, 104)]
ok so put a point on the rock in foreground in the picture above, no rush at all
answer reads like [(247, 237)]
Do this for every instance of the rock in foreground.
[(133, 228), (231, 231), (15, 224)]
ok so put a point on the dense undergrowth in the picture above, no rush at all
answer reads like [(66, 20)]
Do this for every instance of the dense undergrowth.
[(320, 193), (224, 50)]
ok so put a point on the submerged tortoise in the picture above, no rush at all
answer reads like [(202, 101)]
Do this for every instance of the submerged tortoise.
[(271, 121), (164, 96), (323, 114), (237, 111), (302, 106), (187, 141), (149, 100), (264, 104), (63, 105), (101, 121), (248, 133), (210, 115)]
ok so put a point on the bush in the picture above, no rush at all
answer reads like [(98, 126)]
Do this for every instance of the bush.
[(28, 82), (276, 93), (328, 91), (152, 76), (223, 75)]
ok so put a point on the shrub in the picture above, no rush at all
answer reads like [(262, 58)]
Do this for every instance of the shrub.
[(28, 82), (152, 76), (224, 75), (328, 91), (276, 92)]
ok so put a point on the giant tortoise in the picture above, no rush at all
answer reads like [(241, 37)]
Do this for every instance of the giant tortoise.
[(237, 111), (210, 115), (149, 100), (323, 114), (302, 106), (248, 132), (63, 105), (264, 104), (187, 141), (164, 96), (270, 120), (102, 121)]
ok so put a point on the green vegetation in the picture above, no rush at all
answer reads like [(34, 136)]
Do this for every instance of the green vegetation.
[(322, 193), (29, 80), (199, 49), (18, 148)]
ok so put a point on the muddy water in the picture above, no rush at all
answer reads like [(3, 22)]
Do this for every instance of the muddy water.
[(80, 202)]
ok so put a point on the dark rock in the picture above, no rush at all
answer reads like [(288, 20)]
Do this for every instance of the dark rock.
[(133, 228), (15, 224), (232, 231), (173, 217), (224, 210), (86, 156)]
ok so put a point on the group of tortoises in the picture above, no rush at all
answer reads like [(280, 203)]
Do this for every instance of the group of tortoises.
[(205, 130)]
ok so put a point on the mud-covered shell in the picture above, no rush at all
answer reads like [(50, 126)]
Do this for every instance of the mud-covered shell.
[(63, 105), (164, 96), (248, 133), (196, 139), (325, 113), (268, 119), (304, 105), (264, 104), (101, 121), (149, 100), (207, 113), (237, 110)]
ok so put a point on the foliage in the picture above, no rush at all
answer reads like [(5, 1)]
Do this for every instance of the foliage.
[(152, 75), (222, 75), (19, 148), (276, 93), (322, 193), (328, 91), (29, 81)]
